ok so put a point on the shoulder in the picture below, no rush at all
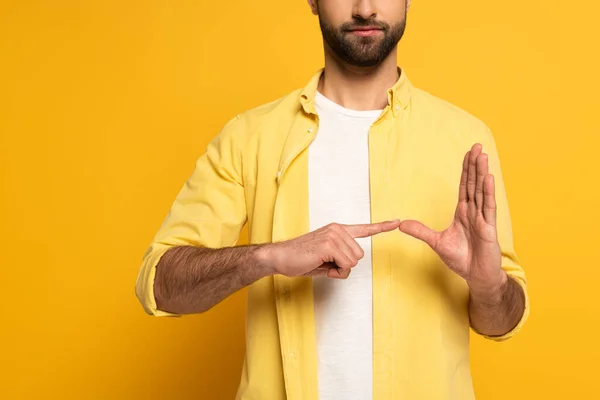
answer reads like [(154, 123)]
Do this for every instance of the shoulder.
[(284, 107), (262, 118)]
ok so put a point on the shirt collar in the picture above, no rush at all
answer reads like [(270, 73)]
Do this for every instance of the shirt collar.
[(398, 95)]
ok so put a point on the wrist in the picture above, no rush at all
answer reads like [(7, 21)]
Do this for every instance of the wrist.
[(266, 259), (491, 291)]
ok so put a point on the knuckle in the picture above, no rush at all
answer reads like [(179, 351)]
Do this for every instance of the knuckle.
[(334, 226), (332, 236), (360, 253), (329, 244), (345, 263)]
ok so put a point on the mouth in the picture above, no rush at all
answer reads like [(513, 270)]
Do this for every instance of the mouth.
[(366, 31)]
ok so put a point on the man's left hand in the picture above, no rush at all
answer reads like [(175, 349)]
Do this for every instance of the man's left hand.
[(469, 246)]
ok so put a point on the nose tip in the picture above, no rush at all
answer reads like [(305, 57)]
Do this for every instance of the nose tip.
[(364, 9), (365, 15)]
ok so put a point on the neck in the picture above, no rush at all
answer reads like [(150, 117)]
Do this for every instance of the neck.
[(358, 88)]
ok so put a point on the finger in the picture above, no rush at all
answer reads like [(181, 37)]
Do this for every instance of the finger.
[(365, 230), (330, 270), (482, 171), (489, 200), (323, 270), (472, 173), (420, 231), (338, 273), (333, 252), (346, 248), (357, 251), (462, 189)]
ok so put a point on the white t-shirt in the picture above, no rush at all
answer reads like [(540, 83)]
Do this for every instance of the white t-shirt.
[(338, 175)]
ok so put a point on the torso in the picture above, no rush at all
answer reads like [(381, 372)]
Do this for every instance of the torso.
[(338, 174)]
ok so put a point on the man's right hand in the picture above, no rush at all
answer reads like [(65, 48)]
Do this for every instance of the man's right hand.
[(331, 250)]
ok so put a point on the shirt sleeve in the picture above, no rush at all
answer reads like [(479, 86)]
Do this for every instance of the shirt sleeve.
[(209, 210), (510, 261)]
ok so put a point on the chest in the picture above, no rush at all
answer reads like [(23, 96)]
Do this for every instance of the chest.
[(405, 169), (338, 174)]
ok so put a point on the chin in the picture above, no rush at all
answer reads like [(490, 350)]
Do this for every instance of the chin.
[(364, 63)]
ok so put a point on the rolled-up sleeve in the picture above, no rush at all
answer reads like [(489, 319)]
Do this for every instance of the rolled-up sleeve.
[(510, 261), (209, 210)]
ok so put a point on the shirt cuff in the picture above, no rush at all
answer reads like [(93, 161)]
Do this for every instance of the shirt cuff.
[(524, 317), (144, 287)]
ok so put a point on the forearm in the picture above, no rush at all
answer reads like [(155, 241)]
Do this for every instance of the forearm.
[(496, 312), (193, 279)]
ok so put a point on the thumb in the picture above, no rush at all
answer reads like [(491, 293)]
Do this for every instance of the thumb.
[(418, 230)]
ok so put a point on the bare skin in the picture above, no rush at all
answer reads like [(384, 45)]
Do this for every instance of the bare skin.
[(469, 247), (358, 88), (193, 279)]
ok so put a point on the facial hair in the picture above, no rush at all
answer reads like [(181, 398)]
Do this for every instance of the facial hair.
[(365, 51)]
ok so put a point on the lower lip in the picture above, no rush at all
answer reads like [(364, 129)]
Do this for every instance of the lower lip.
[(371, 32)]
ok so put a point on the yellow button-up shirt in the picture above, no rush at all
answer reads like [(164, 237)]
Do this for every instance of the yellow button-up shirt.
[(255, 171)]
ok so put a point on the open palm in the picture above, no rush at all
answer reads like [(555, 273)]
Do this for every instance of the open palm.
[(469, 246)]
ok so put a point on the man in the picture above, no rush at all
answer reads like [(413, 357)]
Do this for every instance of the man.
[(337, 181)]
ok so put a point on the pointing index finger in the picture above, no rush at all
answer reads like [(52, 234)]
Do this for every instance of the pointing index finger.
[(366, 230)]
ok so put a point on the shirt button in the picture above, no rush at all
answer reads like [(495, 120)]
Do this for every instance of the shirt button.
[(309, 130), (292, 355), (397, 108)]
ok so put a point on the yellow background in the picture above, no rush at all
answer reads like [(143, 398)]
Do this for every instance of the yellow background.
[(105, 105)]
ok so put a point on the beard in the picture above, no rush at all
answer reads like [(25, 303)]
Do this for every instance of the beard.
[(359, 51)]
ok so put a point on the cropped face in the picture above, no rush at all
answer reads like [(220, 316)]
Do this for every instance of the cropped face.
[(361, 33)]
